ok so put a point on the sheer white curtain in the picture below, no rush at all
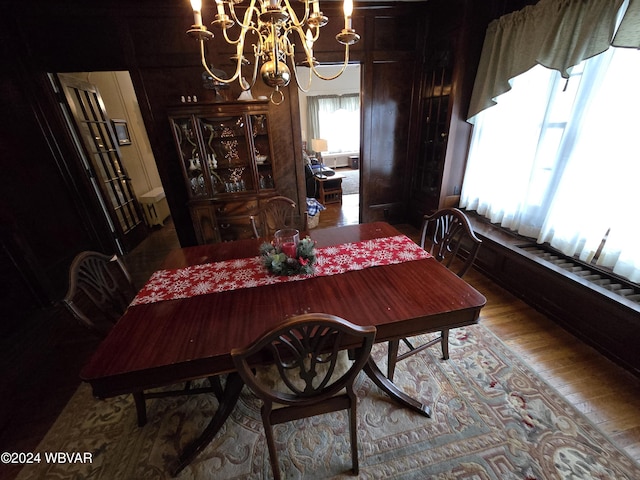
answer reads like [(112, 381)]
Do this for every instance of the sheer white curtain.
[(598, 192), (335, 118), (502, 173), (561, 162)]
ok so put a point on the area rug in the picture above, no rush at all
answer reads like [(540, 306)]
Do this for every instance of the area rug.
[(493, 418), (351, 181)]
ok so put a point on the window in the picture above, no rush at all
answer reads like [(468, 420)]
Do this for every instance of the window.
[(559, 160), (336, 119)]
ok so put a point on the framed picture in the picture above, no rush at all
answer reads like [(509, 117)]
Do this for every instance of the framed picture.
[(122, 131)]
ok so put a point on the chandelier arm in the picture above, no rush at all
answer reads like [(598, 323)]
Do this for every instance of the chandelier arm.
[(241, 36), (203, 59), (246, 21), (316, 34), (254, 76), (229, 40), (245, 25), (342, 69), (295, 75), (303, 40), (294, 17)]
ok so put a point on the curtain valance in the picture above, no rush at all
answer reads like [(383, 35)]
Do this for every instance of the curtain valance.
[(555, 33), (628, 34)]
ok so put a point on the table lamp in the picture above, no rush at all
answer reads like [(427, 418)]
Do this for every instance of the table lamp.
[(319, 145)]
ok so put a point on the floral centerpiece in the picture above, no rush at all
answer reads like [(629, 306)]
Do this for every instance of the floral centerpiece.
[(289, 260)]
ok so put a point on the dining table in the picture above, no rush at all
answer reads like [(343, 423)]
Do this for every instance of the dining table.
[(208, 299)]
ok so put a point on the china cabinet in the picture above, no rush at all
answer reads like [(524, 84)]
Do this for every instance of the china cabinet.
[(226, 158)]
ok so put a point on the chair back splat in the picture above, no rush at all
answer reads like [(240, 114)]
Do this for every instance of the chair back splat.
[(100, 290), (448, 236), (276, 213), (301, 369)]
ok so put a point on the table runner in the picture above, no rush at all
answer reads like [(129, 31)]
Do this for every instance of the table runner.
[(250, 272)]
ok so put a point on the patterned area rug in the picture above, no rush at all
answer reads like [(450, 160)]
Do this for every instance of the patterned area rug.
[(493, 418)]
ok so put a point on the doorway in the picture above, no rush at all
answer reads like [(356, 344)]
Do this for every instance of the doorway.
[(102, 111), (331, 112)]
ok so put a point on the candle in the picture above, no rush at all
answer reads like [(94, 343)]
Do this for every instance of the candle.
[(309, 42), (289, 249), (287, 241), (196, 5), (348, 10), (220, 6)]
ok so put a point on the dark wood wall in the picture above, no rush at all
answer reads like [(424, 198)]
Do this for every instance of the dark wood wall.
[(47, 211)]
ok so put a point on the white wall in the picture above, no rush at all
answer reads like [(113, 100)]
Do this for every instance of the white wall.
[(348, 82)]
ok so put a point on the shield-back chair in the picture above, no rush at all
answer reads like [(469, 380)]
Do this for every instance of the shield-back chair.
[(449, 237), (276, 213), (100, 291), (300, 369)]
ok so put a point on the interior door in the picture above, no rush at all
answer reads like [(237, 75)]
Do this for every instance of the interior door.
[(101, 153)]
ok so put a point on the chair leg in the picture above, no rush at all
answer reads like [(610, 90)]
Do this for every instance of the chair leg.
[(445, 344), (271, 444), (216, 385), (141, 409), (353, 426), (392, 358)]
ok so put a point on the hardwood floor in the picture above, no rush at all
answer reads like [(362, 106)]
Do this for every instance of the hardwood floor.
[(40, 366), (337, 215)]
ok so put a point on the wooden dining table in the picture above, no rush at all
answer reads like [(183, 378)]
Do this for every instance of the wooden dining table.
[(170, 341)]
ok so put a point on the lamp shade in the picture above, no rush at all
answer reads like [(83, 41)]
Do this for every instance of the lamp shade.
[(319, 145)]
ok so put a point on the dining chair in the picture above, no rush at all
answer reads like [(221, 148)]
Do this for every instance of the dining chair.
[(448, 236), (301, 369), (276, 213), (100, 290)]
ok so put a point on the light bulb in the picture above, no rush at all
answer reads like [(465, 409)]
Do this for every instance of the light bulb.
[(348, 8), (196, 5)]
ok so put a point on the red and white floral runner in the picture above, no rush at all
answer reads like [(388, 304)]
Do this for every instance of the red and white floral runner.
[(250, 272)]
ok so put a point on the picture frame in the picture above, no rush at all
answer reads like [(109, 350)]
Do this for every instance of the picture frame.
[(122, 131)]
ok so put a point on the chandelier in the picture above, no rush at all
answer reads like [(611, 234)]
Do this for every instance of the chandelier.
[(272, 23)]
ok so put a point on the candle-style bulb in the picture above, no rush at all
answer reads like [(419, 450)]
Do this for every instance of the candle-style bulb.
[(348, 10), (196, 5), (220, 6), (309, 40)]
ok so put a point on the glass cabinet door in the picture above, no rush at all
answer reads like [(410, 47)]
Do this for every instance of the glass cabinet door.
[(434, 135), (227, 154), (262, 150), (195, 173)]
